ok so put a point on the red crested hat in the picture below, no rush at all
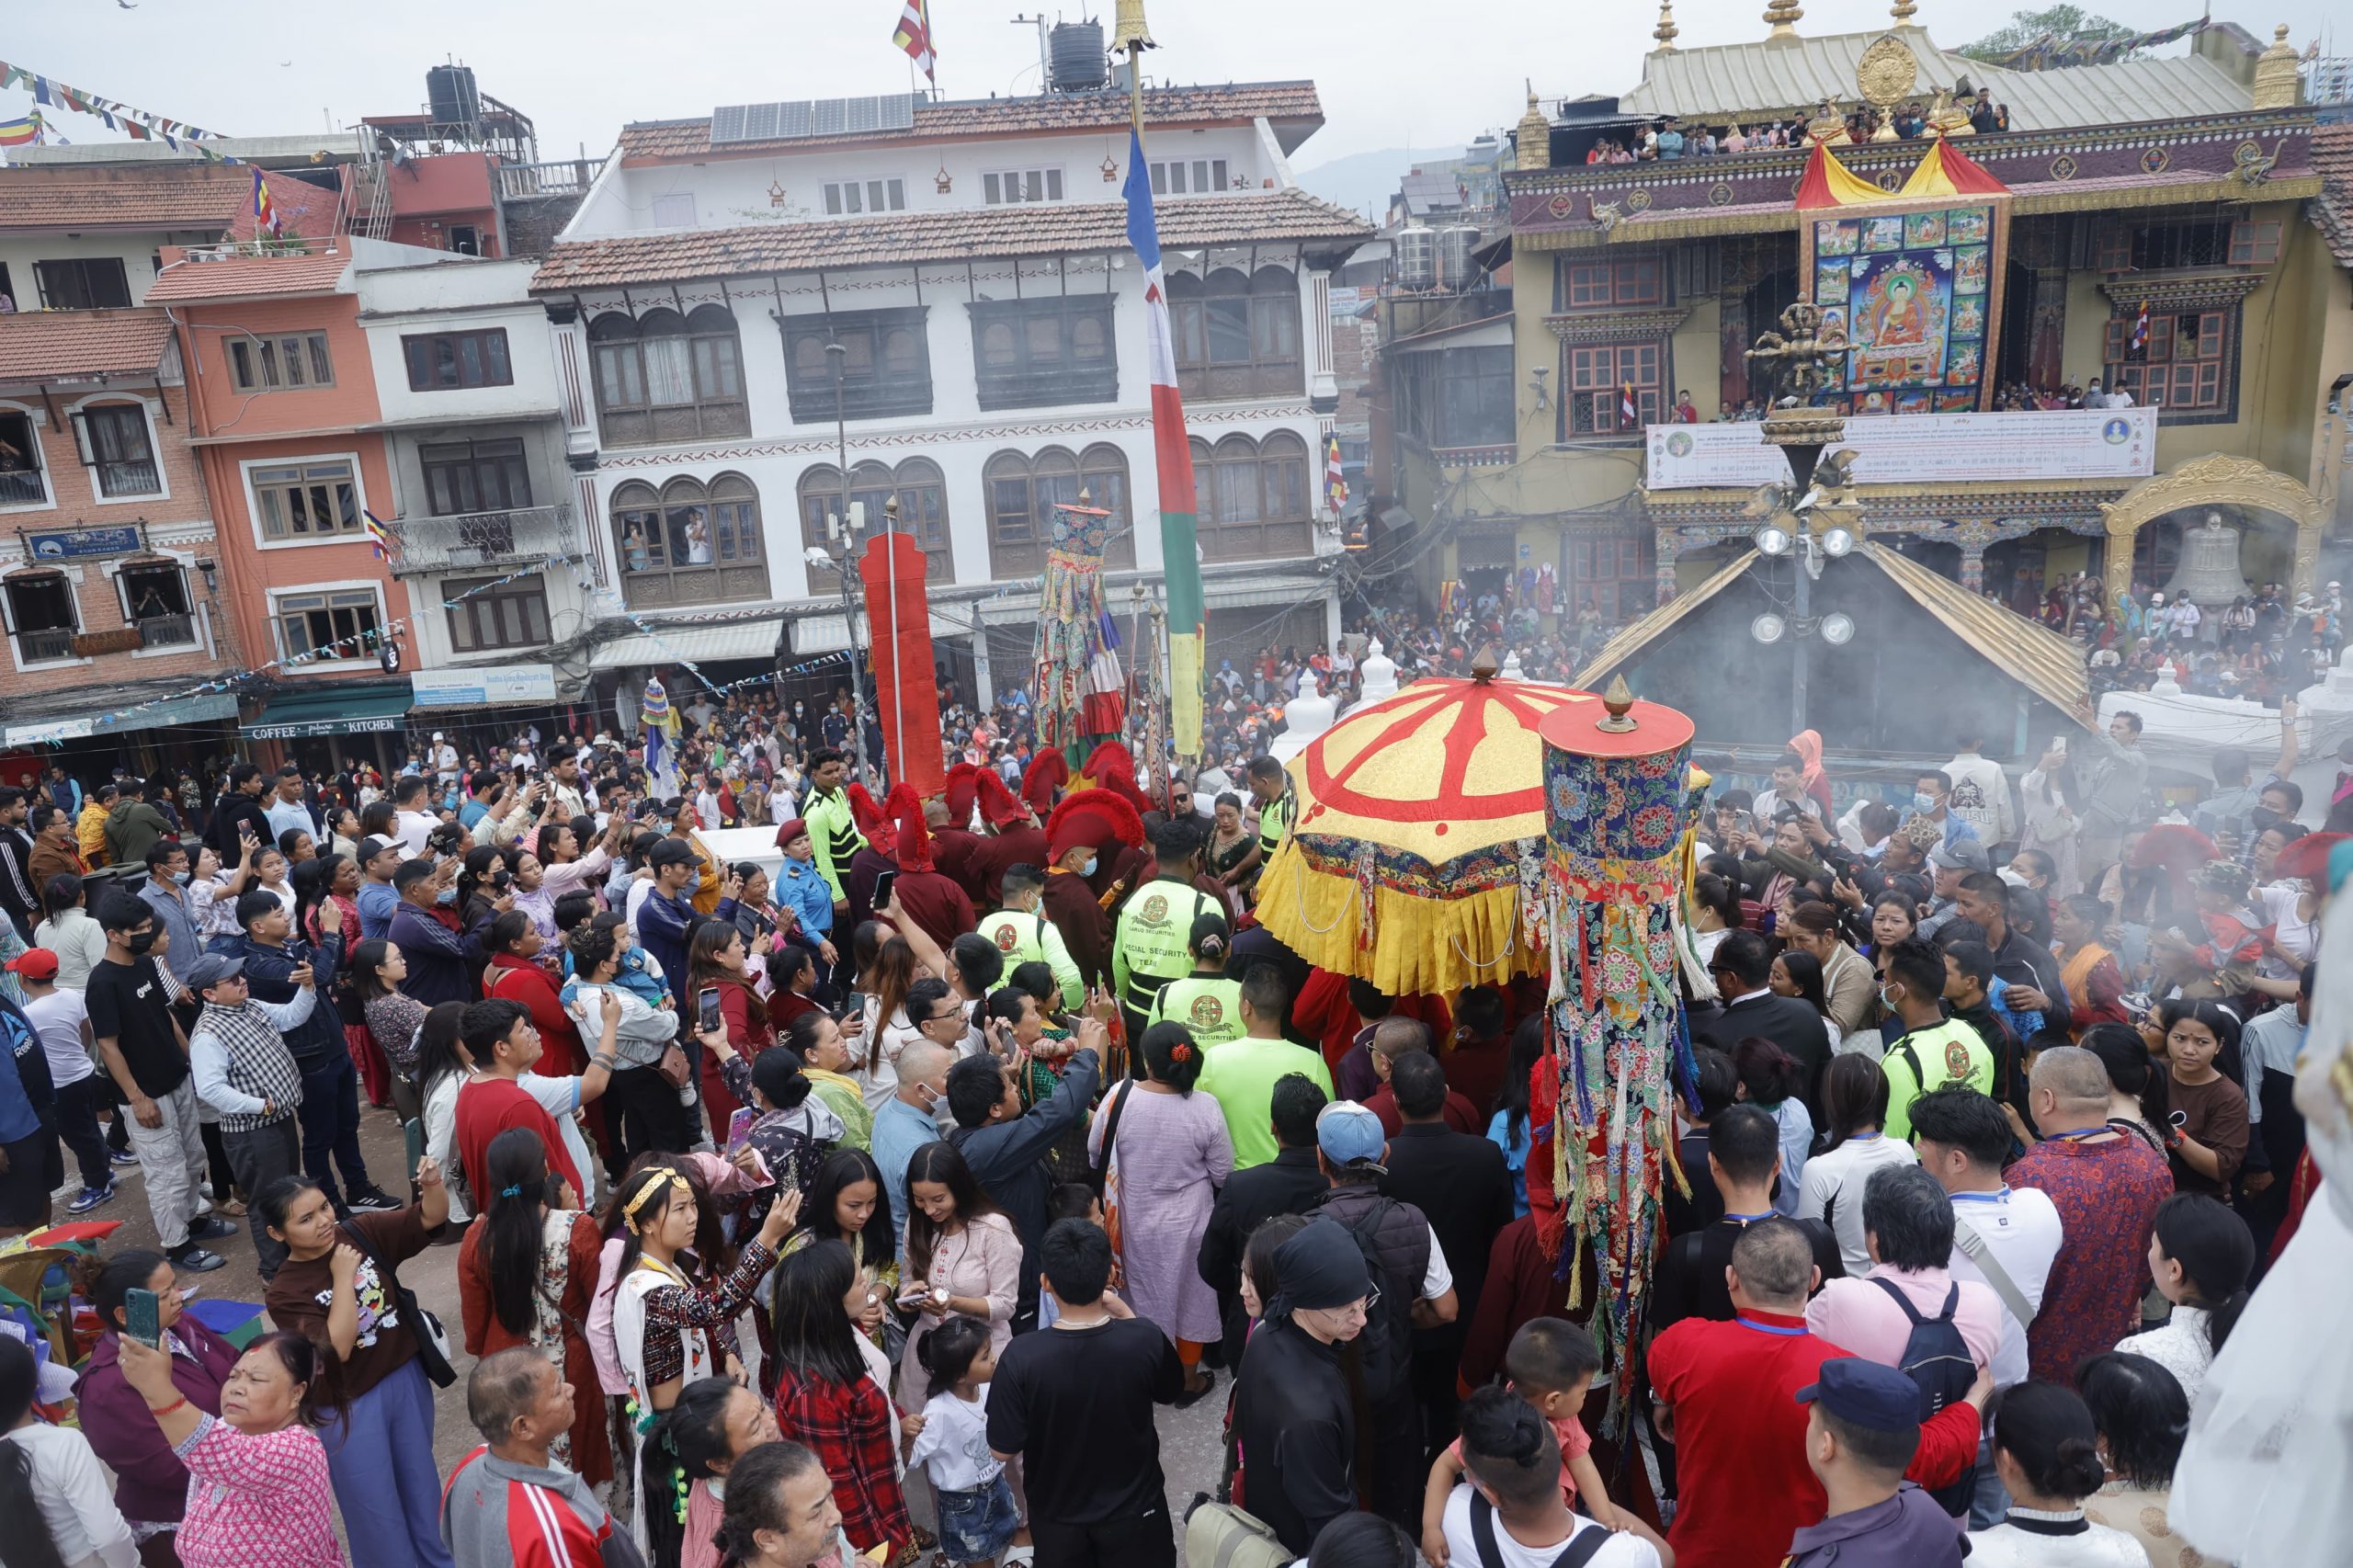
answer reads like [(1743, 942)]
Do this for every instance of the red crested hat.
[(1112, 766), (1049, 771), (1092, 819), (873, 824), (997, 802), (963, 784), (905, 808), (2307, 858)]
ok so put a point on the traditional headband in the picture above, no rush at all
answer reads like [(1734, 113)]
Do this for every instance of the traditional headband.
[(675, 1184)]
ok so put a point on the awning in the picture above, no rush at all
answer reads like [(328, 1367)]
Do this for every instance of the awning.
[(1651, 627), (2027, 651), (172, 711), (334, 708), (676, 644), (816, 634)]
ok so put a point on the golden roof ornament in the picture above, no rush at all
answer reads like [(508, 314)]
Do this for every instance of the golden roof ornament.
[(2277, 84), (1535, 136), (1903, 11), (1666, 30), (1128, 31), (1782, 16), (1885, 75)]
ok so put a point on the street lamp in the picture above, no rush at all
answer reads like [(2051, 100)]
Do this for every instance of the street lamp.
[(840, 553)]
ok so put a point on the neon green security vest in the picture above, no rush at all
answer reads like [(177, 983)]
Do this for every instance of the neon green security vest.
[(1151, 949), (1275, 823), (1206, 1004)]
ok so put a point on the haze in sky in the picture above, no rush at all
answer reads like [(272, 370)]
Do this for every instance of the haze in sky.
[(1392, 74)]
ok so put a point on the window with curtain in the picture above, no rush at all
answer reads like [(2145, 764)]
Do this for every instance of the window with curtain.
[(923, 512), (1255, 502), (691, 542), (121, 457), (1237, 334), (663, 377), (1024, 491)]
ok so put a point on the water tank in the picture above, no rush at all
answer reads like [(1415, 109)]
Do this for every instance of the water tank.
[(1455, 244), (450, 94), (1416, 263), (1076, 51)]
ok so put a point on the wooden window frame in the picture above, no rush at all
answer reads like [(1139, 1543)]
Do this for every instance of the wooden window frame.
[(1282, 526), (1035, 379), (472, 614), (296, 477), (1046, 181), (457, 362), (115, 478), (872, 388), (1022, 490), (922, 493), (52, 278), (2200, 387), (733, 527), (855, 198), (1210, 317), (331, 603), (700, 353), (1592, 407), (281, 361)]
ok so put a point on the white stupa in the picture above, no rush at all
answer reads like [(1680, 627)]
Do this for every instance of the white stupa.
[(1511, 670), (1305, 717), (1379, 676)]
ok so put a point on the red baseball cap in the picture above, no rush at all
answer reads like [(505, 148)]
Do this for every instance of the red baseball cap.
[(34, 963)]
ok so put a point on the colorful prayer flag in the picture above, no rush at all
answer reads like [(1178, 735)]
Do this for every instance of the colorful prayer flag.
[(379, 538), (20, 132), (265, 218), (915, 35), (1627, 412), (1179, 549), (1336, 483), (2140, 331)]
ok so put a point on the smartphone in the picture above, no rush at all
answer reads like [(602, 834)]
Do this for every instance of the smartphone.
[(142, 1317), (707, 1017), (853, 1007), (883, 880), (739, 1127), (412, 1136)]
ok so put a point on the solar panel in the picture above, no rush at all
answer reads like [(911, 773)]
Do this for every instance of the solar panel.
[(825, 117)]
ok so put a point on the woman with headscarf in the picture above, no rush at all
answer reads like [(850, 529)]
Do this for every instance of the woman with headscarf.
[(1294, 1417)]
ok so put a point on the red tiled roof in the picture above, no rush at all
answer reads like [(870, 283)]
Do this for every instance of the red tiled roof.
[(1008, 116), (1043, 229), (2332, 209), (243, 277), (208, 198), (45, 345)]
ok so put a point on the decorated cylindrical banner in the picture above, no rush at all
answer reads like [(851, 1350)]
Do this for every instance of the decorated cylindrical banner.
[(1620, 807)]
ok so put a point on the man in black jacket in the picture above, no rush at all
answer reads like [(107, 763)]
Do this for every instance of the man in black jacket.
[(1289, 1183), (1741, 967), (277, 962), (18, 898), (1463, 1189), (240, 803), (1005, 1145)]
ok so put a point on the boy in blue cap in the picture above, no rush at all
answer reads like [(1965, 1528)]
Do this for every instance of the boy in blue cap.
[(1862, 1428)]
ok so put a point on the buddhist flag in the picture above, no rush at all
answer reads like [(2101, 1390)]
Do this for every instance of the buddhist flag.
[(379, 538), (915, 35), (1335, 483), (1180, 554), (268, 222), (1627, 412), (20, 132), (2140, 348)]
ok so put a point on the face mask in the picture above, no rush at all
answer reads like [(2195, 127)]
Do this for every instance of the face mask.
[(1885, 1000), (139, 942), (2262, 818), (180, 877), (1088, 869), (447, 896), (1923, 801)]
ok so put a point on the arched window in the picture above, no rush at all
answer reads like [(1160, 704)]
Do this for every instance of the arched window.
[(923, 512), (691, 543), (1237, 334), (1254, 499), (663, 377), (1024, 491)]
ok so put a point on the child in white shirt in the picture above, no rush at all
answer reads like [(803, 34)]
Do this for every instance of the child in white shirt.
[(977, 1519)]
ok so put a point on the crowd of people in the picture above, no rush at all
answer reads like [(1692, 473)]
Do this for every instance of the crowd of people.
[(867, 1202), (1672, 139)]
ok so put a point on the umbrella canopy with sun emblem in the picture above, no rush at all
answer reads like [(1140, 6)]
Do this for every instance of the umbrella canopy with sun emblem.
[(1417, 860)]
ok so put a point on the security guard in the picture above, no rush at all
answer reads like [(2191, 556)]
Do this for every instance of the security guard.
[(1024, 935), (1205, 1000), (799, 887), (833, 833), (1278, 811), (1151, 947)]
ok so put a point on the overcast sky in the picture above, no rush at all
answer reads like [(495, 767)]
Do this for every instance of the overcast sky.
[(1391, 73)]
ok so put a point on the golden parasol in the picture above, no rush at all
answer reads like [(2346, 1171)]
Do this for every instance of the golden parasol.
[(1417, 860)]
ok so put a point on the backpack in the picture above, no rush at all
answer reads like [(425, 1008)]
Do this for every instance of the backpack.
[(1582, 1548), (1388, 1338), (1219, 1535), (1938, 1361)]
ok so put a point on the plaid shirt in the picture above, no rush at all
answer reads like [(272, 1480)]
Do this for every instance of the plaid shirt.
[(854, 1430)]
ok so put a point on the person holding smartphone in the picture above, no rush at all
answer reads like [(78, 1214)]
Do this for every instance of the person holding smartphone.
[(719, 977)]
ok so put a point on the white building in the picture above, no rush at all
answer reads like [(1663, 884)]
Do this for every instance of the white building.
[(990, 322)]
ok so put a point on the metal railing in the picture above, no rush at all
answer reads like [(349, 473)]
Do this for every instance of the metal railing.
[(43, 646), (166, 631), (22, 487), (131, 477), (503, 540), (564, 176)]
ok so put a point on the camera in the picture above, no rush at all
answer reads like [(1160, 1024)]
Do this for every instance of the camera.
[(446, 839)]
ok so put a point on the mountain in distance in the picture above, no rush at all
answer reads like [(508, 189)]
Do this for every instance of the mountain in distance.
[(1369, 180)]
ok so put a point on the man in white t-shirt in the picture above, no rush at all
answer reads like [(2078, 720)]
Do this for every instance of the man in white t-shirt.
[(413, 824), (445, 759), (1509, 1513), (2005, 1237), (63, 1022)]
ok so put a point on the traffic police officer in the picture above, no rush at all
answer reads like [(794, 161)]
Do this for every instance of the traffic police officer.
[(1151, 945), (802, 889), (1024, 935)]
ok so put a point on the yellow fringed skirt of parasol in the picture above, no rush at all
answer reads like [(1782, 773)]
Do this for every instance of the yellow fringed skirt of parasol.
[(1416, 857)]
